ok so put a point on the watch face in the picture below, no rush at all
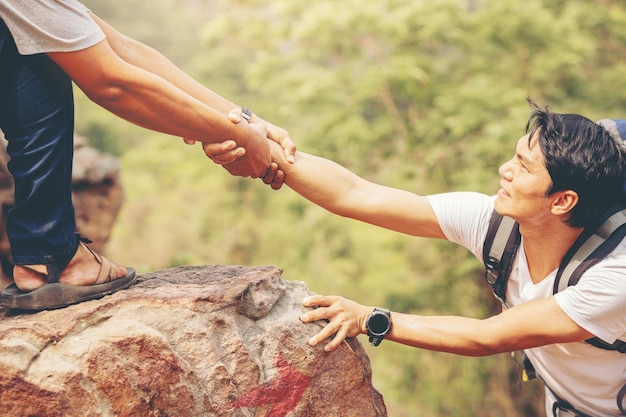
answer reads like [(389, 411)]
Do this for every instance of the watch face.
[(378, 324)]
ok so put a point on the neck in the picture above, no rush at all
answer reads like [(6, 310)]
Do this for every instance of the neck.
[(545, 246)]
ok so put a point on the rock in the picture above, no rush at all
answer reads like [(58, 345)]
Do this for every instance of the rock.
[(188, 341)]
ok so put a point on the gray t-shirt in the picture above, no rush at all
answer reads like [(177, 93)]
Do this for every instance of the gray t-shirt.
[(41, 26)]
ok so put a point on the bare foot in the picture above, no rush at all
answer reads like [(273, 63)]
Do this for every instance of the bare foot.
[(83, 269)]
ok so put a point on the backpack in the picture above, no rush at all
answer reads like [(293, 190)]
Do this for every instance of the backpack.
[(594, 243)]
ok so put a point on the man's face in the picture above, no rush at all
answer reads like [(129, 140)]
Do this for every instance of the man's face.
[(525, 180)]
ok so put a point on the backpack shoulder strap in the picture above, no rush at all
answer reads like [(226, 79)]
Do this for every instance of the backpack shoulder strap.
[(589, 249), (499, 249), (594, 244)]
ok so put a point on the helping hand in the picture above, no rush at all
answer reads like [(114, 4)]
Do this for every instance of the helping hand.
[(226, 153), (275, 133), (221, 153), (274, 177), (234, 158), (256, 158)]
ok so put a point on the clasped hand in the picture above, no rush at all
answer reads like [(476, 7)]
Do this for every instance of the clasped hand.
[(233, 158)]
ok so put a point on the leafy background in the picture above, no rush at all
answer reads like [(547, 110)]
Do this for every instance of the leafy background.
[(427, 96)]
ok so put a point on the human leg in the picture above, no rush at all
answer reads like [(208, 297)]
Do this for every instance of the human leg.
[(37, 117)]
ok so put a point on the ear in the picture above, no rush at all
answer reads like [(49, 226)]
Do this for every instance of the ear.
[(564, 202)]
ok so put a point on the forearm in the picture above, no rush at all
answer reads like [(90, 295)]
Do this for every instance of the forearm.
[(149, 59), (320, 181), (153, 103), (144, 98), (145, 58), (452, 334), (342, 192), (520, 327)]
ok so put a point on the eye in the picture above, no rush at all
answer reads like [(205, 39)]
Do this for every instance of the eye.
[(520, 162)]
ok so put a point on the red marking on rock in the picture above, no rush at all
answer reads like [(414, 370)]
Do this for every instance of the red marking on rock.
[(284, 391)]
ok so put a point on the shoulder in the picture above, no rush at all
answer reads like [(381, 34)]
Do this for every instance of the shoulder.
[(455, 201), (464, 217), (598, 301)]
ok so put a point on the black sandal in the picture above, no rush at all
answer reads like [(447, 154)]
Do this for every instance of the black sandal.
[(57, 295)]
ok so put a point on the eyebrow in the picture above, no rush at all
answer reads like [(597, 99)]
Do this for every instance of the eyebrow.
[(525, 161)]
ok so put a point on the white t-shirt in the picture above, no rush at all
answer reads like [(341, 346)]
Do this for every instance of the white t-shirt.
[(41, 26), (588, 377)]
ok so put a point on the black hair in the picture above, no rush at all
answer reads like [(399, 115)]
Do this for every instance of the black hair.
[(581, 156)]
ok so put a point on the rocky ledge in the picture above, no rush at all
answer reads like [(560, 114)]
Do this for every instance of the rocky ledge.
[(187, 341)]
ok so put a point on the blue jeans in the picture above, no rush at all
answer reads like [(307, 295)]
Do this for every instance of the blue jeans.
[(37, 118)]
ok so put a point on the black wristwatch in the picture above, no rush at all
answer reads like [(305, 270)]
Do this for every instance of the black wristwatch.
[(378, 325)]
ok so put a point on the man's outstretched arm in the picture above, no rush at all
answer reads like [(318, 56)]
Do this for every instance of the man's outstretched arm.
[(344, 193), (521, 327)]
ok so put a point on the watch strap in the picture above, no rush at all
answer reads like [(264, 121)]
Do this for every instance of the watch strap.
[(376, 339)]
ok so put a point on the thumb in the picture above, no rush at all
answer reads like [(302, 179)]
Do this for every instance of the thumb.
[(235, 116)]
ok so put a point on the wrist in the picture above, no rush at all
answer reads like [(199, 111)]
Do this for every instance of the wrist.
[(378, 325), (246, 114), (251, 116), (365, 312)]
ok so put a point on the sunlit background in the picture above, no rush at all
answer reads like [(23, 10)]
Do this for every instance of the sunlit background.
[(428, 96)]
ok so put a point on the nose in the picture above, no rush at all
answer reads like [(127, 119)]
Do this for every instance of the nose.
[(505, 170)]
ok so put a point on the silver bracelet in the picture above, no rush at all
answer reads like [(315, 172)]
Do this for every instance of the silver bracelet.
[(246, 114)]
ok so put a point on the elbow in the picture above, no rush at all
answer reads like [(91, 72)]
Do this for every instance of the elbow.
[(490, 347), (339, 209), (345, 204), (479, 348), (336, 209), (330, 203), (493, 340), (105, 93)]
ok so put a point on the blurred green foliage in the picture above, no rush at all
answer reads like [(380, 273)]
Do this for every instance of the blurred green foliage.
[(427, 96)]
